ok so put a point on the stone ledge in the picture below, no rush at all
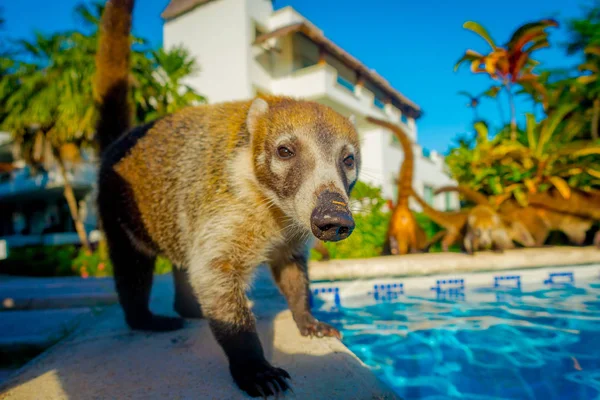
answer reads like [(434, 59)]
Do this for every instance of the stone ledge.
[(440, 263)]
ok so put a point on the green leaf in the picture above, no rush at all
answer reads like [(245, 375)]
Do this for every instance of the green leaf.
[(481, 31), (521, 197), (562, 186), (550, 125), (531, 125), (482, 131), (470, 55)]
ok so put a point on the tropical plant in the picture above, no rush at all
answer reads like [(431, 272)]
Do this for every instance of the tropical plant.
[(510, 64), (46, 98), (545, 156)]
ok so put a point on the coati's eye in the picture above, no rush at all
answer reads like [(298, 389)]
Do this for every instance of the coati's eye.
[(349, 161), (284, 152)]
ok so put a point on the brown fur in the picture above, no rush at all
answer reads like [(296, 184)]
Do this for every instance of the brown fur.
[(112, 71), (582, 204), (539, 222), (208, 188), (453, 223), (404, 234)]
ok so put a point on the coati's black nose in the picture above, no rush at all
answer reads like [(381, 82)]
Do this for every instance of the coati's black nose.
[(331, 219)]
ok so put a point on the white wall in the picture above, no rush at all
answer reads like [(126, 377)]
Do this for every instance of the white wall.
[(216, 34)]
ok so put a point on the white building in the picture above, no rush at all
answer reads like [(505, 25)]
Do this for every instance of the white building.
[(245, 48)]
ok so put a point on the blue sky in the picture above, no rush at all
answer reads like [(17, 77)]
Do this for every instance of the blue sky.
[(413, 44)]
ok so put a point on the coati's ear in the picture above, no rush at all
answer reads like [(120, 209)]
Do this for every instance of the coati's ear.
[(258, 108), (352, 119)]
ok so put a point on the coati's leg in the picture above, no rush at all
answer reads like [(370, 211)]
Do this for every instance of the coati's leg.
[(186, 302), (434, 239), (468, 244), (449, 240), (292, 279), (133, 272), (221, 288)]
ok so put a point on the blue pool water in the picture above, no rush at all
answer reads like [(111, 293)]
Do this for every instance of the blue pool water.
[(542, 342)]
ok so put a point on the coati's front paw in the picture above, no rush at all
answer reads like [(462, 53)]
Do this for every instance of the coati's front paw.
[(310, 326), (260, 379)]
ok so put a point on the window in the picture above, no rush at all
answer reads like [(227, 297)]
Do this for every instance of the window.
[(428, 194), (404, 119), (345, 83), (448, 201), (378, 103), (426, 153)]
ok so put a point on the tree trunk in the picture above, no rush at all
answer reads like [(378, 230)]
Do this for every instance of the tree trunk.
[(595, 119), (72, 202), (500, 111), (513, 113)]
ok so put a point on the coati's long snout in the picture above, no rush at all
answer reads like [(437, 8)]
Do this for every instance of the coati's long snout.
[(331, 220)]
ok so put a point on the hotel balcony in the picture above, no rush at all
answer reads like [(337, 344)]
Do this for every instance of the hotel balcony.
[(322, 82)]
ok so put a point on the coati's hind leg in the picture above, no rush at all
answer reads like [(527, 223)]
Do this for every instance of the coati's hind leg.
[(186, 302), (133, 272), (291, 277), (221, 287)]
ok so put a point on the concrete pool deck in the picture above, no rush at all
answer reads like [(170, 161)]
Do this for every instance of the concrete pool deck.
[(105, 360)]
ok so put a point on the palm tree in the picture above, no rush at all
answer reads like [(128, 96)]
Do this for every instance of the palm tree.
[(164, 91), (511, 64), (51, 110), (47, 101)]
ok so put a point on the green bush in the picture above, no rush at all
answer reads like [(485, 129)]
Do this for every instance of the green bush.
[(39, 261)]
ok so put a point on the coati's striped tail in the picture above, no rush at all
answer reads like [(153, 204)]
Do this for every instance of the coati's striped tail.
[(406, 171), (111, 81), (470, 194), (437, 216)]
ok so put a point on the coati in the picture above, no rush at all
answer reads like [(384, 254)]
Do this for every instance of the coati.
[(404, 233), (486, 227), (218, 189), (531, 225)]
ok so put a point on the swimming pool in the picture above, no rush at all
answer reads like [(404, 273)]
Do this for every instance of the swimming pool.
[(532, 334)]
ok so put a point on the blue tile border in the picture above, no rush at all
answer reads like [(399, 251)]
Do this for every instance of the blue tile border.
[(501, 281), (383, 293), (553, 281), (503, 286)]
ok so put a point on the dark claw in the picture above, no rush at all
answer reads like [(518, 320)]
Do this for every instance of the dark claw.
[(260, 379), (259, 390)]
